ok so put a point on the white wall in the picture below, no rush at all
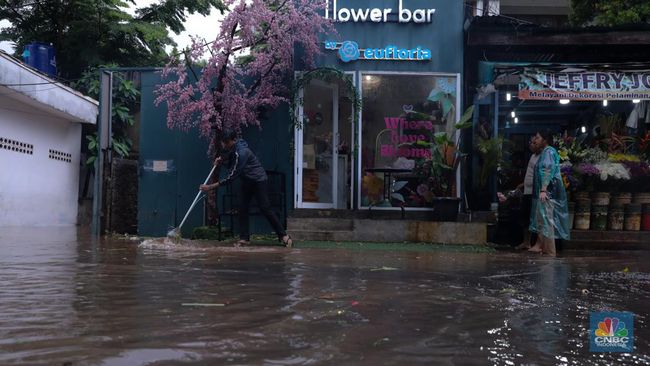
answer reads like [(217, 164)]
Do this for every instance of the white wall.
[(34, 189)]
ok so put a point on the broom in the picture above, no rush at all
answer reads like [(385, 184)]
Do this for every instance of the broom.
[(176, 232)]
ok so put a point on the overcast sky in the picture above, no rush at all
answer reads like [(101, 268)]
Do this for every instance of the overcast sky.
[(196, 25)]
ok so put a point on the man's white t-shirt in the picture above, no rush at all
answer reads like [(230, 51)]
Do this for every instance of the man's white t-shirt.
[(530, 173)]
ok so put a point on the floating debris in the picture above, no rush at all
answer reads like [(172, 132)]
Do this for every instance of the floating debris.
[(384, 269)]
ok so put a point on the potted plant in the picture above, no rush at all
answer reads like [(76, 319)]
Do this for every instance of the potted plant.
[(440, 169)]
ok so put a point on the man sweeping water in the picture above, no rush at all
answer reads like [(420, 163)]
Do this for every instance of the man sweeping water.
[(244, 164)]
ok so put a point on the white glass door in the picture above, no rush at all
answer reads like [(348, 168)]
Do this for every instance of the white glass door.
[(317, 141)]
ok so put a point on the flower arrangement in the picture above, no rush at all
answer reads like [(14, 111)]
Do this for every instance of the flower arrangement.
[(613, 171), (569, 177), (588, 174), (594, 155), (588, 169), (613, 176), (620, 158), (611, 162), (570, 148)]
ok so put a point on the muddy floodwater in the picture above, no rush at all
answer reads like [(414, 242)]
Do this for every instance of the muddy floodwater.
[(67, 300)]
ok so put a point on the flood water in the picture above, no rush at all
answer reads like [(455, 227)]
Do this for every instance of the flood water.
[(66, 300)]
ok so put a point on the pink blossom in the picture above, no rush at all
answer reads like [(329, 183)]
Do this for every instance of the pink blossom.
[(229, 93)]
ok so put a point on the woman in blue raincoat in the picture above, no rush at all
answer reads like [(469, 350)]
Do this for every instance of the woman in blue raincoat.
[(549, 216)]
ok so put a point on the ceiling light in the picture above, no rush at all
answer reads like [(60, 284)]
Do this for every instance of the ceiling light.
[(583, 129), (512, 114), (564, 101), (508, 96), (516, 120), (605, 103), (636, 101)]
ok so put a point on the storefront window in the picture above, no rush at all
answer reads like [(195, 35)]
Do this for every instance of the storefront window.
[(404, 119)]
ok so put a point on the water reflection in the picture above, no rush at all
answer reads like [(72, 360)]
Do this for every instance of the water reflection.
[(66, 298)]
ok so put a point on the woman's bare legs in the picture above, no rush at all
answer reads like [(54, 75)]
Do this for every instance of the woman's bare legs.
[(549, 246), (539, 245)]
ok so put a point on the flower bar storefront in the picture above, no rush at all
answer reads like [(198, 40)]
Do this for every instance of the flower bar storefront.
[(396, 150)]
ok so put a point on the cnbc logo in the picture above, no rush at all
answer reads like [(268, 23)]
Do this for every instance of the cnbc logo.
[(611, 332)]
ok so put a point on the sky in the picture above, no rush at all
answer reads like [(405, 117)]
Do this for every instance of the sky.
[(196, 25)]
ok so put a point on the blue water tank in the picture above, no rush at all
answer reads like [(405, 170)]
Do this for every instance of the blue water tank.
[(41, 56)]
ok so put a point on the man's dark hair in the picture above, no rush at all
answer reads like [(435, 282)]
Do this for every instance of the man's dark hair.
[(547, 135), (228, 134)]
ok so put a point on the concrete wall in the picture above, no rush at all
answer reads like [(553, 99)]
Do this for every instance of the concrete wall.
[(36, 190), (365, 230), (35, 87)]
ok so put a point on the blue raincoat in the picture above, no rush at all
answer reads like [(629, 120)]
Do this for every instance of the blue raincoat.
[(550, 218)]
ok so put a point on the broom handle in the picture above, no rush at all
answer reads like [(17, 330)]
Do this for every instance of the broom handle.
[(196, 199)]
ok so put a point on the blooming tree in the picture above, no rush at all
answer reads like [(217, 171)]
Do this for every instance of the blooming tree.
[(247, 65), (247, 68)]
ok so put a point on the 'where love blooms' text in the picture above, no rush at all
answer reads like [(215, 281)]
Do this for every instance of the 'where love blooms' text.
[(404, 145)]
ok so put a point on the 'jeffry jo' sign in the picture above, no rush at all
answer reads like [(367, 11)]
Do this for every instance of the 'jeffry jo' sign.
[(377, 15)]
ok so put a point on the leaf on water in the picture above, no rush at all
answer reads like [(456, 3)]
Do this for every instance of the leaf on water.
[(384, 269), (379, 341)]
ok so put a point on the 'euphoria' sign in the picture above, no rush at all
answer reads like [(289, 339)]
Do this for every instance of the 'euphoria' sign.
[(377, 15), (350, 51)]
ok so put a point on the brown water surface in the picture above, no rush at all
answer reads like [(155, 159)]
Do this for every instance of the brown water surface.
[(66, 299)]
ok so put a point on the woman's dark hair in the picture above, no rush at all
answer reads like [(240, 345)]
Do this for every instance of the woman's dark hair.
[(228, 135), (547, 135)]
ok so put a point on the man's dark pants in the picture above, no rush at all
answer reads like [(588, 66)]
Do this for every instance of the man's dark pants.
[(527, 204), (260, 191)]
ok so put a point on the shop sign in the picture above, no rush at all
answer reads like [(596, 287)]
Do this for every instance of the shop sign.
[(584, 85), (350, 51), (377, 15)]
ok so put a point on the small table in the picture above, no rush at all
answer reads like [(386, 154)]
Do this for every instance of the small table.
[(388, 182)]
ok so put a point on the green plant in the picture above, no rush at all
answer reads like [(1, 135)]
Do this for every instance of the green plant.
[(491, 152), (205, 233), (87, 33), (446, 155), (124, 103)]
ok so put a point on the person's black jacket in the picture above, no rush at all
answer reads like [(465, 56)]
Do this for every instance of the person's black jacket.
[(242, 162)]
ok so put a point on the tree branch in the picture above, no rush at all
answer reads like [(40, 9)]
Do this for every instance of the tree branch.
[(189, 65), (222, 72), (263, 38), (258, 82)]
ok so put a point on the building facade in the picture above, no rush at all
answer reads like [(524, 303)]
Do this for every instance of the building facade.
[(40, 147), (405, 59)]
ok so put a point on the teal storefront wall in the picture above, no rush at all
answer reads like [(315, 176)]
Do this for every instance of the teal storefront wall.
[(443, 36), (164, 197)]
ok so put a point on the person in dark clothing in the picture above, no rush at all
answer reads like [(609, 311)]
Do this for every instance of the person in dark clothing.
[(242, 163)]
